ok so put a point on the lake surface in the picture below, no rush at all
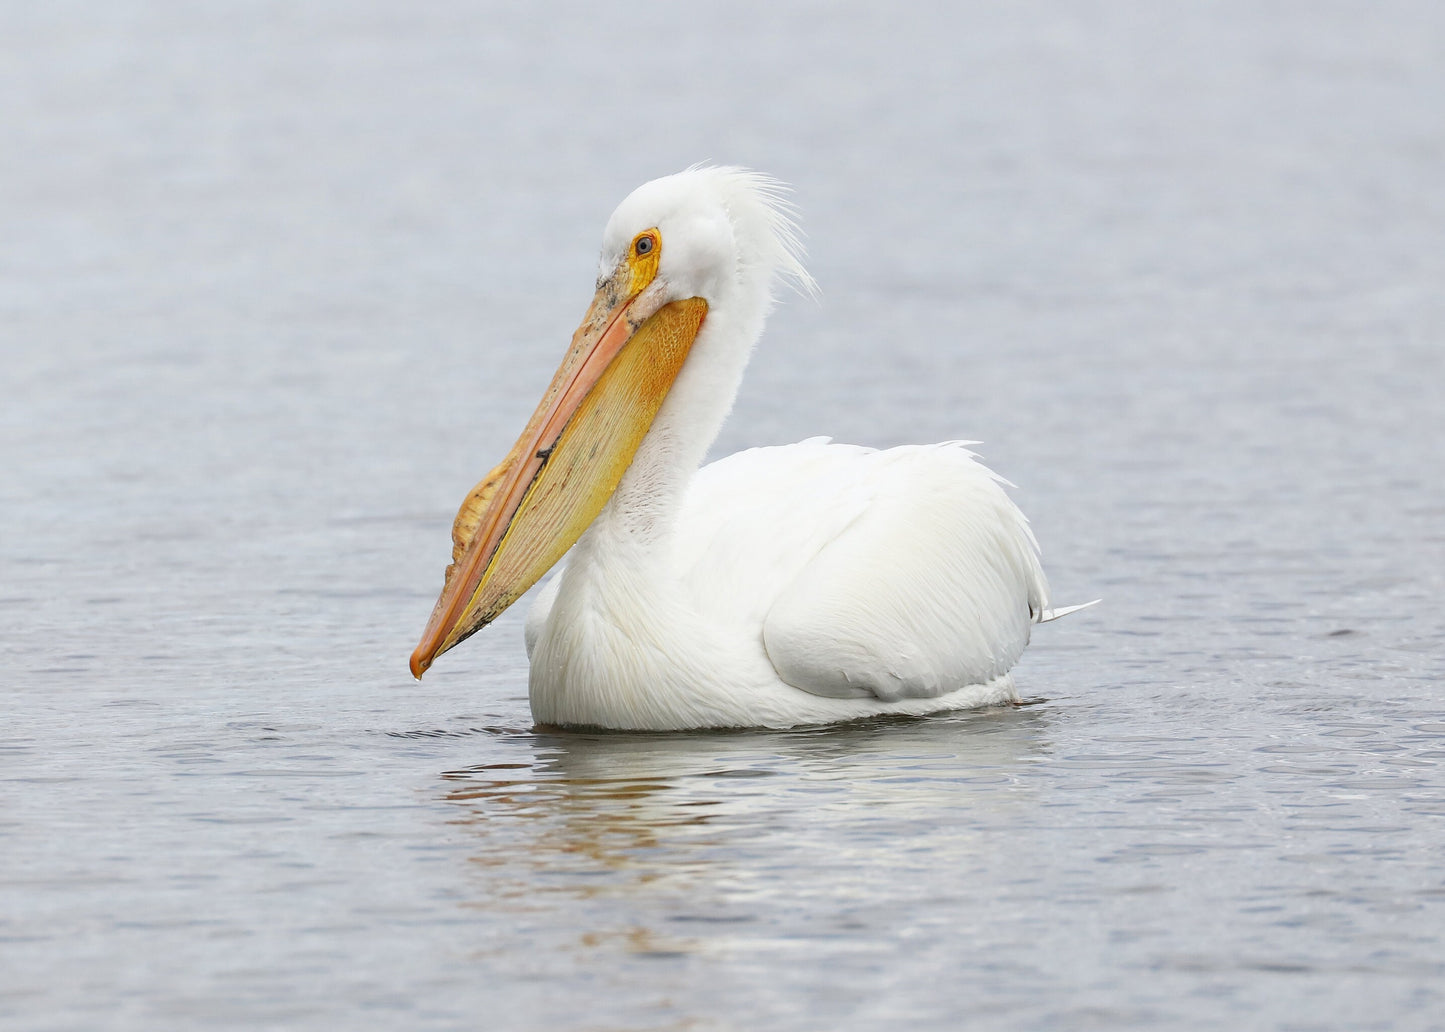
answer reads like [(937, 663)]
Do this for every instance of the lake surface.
[(279, 283)]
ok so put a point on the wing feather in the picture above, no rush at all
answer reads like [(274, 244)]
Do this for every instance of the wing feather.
[(933, 588)]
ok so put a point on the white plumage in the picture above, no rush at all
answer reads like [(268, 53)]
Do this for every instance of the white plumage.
[(779, 586)]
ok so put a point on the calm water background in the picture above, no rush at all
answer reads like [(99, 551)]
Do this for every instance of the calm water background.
[(278, 282)]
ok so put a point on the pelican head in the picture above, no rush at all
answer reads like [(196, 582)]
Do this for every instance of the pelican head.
[(685, 281)]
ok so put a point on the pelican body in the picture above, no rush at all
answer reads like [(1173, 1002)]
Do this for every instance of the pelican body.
[(778, 587)]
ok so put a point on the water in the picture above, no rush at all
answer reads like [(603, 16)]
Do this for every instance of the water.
[(278, 283)]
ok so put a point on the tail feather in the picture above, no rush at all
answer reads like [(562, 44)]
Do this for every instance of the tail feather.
[(1053, 614)]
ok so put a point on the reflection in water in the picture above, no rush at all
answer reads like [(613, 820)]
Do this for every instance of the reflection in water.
[(717, 832)]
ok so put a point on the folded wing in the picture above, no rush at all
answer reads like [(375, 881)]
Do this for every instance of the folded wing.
[(905, 573)]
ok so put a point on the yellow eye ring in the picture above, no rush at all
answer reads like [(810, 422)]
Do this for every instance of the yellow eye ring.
[(643, 258)]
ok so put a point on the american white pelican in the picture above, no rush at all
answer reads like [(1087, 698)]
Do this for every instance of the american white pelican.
[(778, 587)]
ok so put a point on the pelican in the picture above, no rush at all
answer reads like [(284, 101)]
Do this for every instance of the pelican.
[(778, 587)]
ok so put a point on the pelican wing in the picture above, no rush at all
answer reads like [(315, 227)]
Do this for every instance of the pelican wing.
[(905, 573)]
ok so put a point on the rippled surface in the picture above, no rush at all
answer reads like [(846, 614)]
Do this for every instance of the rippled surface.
[(278, 284)]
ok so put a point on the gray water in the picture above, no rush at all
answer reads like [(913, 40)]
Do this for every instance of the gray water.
[(278, 282)]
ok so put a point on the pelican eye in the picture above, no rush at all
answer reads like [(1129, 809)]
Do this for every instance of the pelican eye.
[(643, 245)]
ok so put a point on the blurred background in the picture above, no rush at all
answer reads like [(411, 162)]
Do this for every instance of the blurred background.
[(280, 281)]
